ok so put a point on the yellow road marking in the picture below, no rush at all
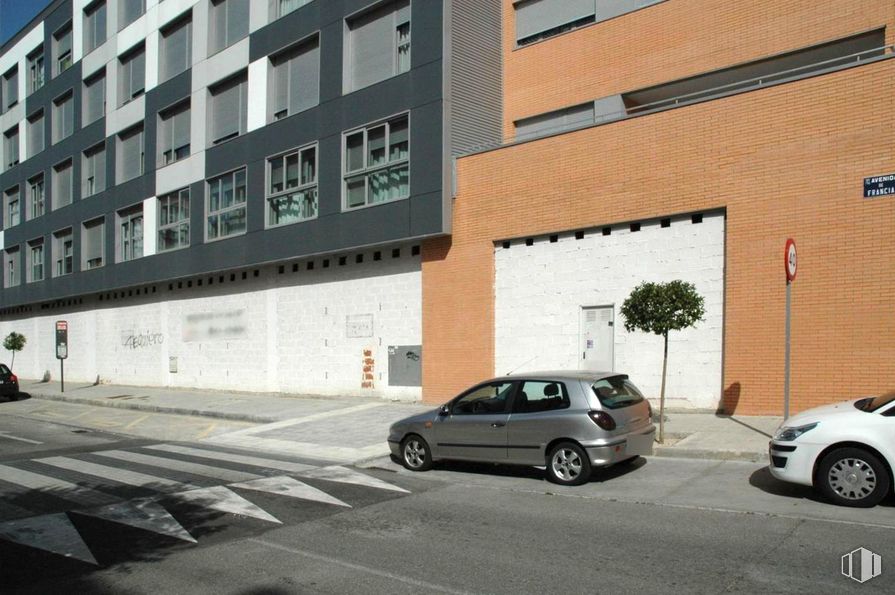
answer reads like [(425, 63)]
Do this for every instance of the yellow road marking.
[(207, 431), (135, 422)]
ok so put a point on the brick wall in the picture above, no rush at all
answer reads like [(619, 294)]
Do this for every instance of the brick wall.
[(784, 161)]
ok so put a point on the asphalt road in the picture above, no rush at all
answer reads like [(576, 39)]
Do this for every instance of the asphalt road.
[(140, 516)]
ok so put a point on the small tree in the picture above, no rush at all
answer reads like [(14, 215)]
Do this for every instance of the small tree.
[(659, 308), (14, 342)]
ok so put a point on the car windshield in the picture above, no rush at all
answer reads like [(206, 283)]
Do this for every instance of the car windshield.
[(616, 392), (871, 404)]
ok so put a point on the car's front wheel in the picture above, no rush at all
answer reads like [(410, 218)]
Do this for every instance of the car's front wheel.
[(852, 477), (416, 454), (567, 464)]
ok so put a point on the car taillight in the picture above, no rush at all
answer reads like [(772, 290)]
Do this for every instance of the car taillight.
[(13, 378), (602, 419), (649, 409)]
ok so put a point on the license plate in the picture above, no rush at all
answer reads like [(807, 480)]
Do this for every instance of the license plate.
[(640, 444)]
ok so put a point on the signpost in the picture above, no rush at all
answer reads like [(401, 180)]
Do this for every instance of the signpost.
[(790, 262), (61, 349)]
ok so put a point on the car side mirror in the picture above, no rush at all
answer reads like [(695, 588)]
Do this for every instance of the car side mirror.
[(444, 411)]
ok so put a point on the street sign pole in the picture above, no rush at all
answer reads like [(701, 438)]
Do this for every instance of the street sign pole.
[(790, 264), (61, 349)]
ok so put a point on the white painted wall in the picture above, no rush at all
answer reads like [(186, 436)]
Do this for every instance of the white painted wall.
[(541, 289), (294, 338)]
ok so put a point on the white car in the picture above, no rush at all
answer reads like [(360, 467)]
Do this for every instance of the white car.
[(846, 450)]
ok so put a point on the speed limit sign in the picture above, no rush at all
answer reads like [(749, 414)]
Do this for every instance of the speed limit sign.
[(790, 260)]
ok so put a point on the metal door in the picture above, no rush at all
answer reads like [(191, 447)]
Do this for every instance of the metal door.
[(597, 347)]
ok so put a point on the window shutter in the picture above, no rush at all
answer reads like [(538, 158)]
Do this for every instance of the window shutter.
[(228, 113), (177, 50), (138, 72), (93, 240), (95, 91), (372, 42), (237, 20), (541, 15), (281, 86), (12, 88), (304, 80), (68, 117), (180, 129), (131, 147)]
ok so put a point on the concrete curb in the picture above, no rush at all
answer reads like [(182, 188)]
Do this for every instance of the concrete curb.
[(258, 419), (718, 455)]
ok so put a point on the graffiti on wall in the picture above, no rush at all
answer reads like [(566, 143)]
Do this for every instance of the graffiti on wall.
[(211, 326), (139, 340)]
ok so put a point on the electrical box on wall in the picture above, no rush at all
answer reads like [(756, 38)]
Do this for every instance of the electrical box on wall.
[(405, 365)]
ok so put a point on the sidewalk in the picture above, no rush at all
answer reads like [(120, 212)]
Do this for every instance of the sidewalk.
[(354, 429)]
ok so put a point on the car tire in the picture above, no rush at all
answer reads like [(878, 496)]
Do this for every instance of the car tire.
[(415, 453), (852, 477), (567, 464)]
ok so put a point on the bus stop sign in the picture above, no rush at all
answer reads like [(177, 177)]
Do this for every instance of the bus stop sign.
[(61, 339)]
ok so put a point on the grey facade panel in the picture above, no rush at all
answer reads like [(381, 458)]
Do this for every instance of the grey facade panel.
[(418, 92), (476, 71)]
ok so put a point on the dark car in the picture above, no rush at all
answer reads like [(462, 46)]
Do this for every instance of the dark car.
[(9, 383)]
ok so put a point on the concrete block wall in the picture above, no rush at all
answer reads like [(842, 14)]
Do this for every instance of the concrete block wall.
[(277, 331), (540, 290)]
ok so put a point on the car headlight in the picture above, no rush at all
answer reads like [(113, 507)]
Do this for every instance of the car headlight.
[(787, 434)]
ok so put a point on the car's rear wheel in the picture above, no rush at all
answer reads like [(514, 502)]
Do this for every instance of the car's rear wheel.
[(567, 464), (852, 477), (416, 454)]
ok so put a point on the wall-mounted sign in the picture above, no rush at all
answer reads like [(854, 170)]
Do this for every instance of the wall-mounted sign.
[(214, 326), (359, 325), (879, 186)]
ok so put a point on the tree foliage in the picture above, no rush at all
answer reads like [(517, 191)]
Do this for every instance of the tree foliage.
[(14, 342), (662, 307)]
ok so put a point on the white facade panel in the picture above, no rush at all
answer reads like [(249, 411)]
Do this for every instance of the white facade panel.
[(541, 289), (291, 332)]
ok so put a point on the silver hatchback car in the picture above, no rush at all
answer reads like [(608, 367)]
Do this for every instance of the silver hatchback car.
[(568, 421)]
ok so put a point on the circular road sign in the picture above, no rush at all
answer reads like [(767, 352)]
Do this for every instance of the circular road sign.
[(790, 260)]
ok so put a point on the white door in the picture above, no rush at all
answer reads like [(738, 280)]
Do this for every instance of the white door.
[(597, 339)]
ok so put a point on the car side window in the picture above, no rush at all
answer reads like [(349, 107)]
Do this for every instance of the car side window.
[(4, 371), (536, 396), (486, 399)]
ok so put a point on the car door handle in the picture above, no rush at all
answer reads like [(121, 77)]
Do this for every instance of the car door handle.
[(498, 424)]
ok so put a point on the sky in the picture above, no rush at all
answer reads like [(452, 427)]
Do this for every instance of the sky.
[(15, 14)]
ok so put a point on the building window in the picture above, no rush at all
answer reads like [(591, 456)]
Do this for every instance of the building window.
[(292, 186), (228, 23), (62, 50), (94, 105), (93, 170), (11, 147), (63, 252), (94, 26), (226, 207), (92, 243), (129, 11), (36, 73), (11, 266), (130, 233), (539, 19), (10, 88), (174, 220), (35, 196), (377, 163), (35, 260), (378, 45), (295, 84), (35, 133), (131, 74), (63, 117), (284, 7), (62, 184), (174, 133), (176, 48), (13, 206), (129, 159), (228, 113)]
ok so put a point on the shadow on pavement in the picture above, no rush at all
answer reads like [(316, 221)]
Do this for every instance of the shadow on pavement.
[(764, 481), (18, 397)]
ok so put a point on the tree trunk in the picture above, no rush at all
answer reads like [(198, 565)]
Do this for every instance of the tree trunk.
[(662, 394), (13, 362)]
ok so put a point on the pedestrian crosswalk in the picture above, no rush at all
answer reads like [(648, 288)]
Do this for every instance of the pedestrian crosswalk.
[(146, 487)]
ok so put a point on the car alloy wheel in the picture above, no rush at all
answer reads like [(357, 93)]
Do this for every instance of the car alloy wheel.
[(568, 464), (415, 453), (853, 477)]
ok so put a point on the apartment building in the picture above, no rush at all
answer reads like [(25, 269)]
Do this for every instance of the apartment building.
[(653, 140), (231, 193)]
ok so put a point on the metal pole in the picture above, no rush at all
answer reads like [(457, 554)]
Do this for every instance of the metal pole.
[(62, 373), (786, 357)]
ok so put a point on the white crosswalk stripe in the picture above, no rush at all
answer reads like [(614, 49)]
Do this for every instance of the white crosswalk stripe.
[(341, 474), (220, 473), (56, 487), (143, 513), (125, 476), (222, 499), (51, 532), (287, 486), (235, 458)]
